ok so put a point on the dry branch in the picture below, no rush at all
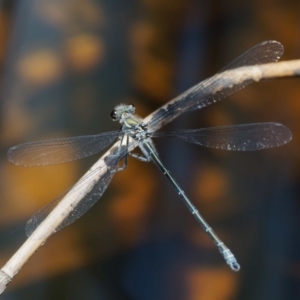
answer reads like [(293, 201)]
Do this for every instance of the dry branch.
[(65, 207)]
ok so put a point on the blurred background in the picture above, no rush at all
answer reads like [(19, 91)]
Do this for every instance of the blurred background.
[(65, 65)]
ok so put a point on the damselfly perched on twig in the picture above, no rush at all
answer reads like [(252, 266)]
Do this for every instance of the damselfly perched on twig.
[(136, 132)]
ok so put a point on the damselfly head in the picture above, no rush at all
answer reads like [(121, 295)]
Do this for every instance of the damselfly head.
[(121, 111)]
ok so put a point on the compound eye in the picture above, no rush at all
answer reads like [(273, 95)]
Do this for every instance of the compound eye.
[(131, 106), (113, 115)]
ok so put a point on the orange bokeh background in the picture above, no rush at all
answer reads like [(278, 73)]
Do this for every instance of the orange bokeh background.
[(65, 65)]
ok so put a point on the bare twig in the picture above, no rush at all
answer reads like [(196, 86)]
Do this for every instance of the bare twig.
[(65, 207)]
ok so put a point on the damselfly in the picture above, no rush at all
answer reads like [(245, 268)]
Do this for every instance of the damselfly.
[(243, 137)]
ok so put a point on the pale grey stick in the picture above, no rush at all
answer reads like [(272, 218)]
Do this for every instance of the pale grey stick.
[(65, 207)]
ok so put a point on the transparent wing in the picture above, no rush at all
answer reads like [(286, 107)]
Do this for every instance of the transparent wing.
[(58, 151), (243, 137), (210, 90), (98, 187)]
